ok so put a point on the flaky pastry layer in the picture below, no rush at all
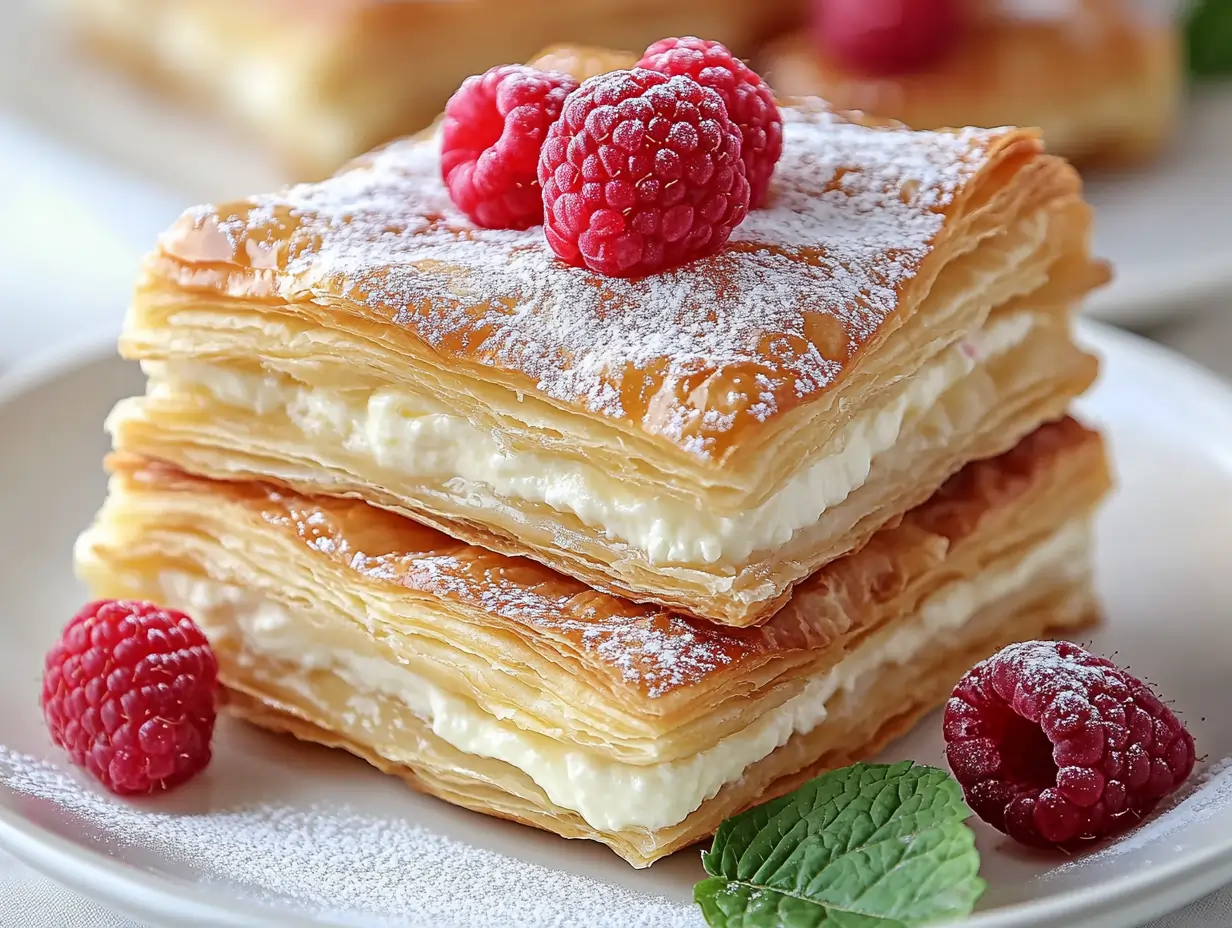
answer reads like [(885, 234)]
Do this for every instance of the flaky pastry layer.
[(697, 550), (491, 677), (685, 439), (1103, 82), (322, 82), (858, 727)]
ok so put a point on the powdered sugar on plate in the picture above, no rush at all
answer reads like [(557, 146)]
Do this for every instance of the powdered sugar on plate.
[(348, 869), (1210, 794), (688, 354)]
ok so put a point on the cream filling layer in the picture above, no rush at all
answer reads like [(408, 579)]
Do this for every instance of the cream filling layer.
[(611, 795), (420, 439)]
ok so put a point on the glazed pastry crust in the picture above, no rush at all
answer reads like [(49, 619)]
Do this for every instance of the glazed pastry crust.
[(1104, 83), (636, 684), (321, 82), (712, 386)]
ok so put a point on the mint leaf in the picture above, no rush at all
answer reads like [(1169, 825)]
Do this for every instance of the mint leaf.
[(868, 846), (1208, 32)]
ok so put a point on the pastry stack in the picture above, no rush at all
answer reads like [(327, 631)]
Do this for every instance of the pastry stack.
[(1103, 79), (321, 81), (616, 558)]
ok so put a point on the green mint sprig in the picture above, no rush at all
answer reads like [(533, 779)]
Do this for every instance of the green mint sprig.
[(867, 846), (1208, 32)]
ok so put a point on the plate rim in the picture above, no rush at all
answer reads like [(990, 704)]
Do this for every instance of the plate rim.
[(127, 889), (1150, 892)]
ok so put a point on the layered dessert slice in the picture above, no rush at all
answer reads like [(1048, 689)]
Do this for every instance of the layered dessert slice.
[(702, 438), (1103, 79), (498, 685), (320, 82)]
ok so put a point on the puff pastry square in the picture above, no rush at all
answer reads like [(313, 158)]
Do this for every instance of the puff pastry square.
[(703, 438), (501, 686), (1103, 79), (321, 81)]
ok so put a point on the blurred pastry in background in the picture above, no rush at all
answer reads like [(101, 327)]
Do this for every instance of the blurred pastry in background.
[(1102, 78), (324, 80)]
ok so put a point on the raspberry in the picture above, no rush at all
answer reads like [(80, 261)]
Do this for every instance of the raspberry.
[(128, 692), (494, 127), (1057, 747), (749, 101), (887, 36), (641, 172)]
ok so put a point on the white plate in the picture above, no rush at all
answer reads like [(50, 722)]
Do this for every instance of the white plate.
[(280, 833), (1167, 230)]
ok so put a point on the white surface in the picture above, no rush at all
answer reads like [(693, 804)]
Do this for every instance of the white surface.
[(1168, 230), (1162, 561), (47, 83), (32, 901), (70, 243)]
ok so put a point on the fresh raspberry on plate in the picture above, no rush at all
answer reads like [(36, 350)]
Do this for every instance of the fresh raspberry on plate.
[(641, 172), (1056, 746), (129, 692), (749, 101), (493, 129)]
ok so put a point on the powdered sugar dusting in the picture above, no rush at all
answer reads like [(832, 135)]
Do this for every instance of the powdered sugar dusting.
[(1209, 795), (653, 649), (334, 864), (646, 646), (853, 212)]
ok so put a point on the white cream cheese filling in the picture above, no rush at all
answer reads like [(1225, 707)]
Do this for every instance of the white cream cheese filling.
[(611, 795), (423, 440)]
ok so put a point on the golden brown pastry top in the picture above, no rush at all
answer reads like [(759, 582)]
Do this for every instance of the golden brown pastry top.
[(646, 647), (700, 356)]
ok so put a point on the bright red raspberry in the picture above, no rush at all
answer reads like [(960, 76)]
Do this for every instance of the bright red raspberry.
[(641, 172), (749, 101), (1056, 746), (494, 127), (129, 693), (887, 36)]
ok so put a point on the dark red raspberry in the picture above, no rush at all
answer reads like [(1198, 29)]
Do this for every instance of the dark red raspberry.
[(641, 172), (749, 101), (1056, 746), (887, 36), (129, 693), (494, 127)]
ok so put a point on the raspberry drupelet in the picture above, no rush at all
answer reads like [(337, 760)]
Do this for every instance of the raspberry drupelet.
[(493, 129), (749, 101), (129, 692), (1057, 747), (642, 172)]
